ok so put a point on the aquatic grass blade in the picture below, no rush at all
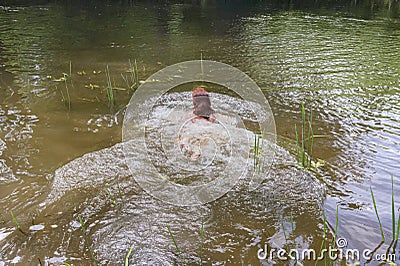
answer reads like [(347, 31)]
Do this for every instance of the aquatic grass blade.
[(109, 89), (303, 123), (293, 235), (111, 196), (17, 224), (310, 139), (377, 215), (393, 213), (128, 255), (398, 226), (83, 228), (284, 232), (119, 189), (255, 152), (323, 243), (14, 220), (201, 66), (325, 235), (336, 222), (136, 75), (176, 245), (297, 143), (202, 240)]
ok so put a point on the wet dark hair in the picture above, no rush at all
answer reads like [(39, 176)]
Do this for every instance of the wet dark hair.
[(202, 103)]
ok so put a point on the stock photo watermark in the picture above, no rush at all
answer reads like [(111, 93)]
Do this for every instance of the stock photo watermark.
[(340, 252)]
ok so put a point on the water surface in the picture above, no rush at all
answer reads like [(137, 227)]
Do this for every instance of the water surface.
[(344, 66)]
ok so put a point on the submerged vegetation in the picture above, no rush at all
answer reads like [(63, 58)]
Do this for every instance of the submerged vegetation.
[(130, 80), (86, 239), (305, 142), (258, 156), (128, 255), (182, 261), (395, 228)]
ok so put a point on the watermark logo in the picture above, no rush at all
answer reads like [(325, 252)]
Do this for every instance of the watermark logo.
[(338, 253), (167, 158)]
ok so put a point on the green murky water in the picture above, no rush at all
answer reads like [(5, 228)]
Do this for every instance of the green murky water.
[(343, 65)]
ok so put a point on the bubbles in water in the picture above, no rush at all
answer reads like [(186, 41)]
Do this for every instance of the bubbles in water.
[(196, 159)]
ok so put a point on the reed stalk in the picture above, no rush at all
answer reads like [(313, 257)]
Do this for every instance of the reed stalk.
[(393, 213), (202, 240), (109, 89), (128, 255), (86, 238), (377, 215), (176, 245)]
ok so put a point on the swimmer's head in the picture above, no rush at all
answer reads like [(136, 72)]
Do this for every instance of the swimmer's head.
[(202, 103)]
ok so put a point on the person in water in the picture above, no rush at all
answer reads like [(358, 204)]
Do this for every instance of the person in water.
[(191, 145), (202, 105)]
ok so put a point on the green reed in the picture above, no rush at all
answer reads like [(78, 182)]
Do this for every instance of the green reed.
[(292, 227), (111, 196), (119, 189), (113, 199), (201, 66), (134, 75), (256, 149), (335, 234), (109, 89), (377, 215), (202, 231), (393, 212), (293, 235), (305, 142), (202, 240), (258, 158), (303, 125), (86, 238), (132, 82), (395, 230), (398, 227), (325, 241), (66, 77), (290, 239), (17, 226), (336, 223), (128, 255), (66, 99), (176, 246), (14, 220), (284, 231)]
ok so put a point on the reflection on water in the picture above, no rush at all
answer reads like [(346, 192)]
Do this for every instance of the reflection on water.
[(344, 67)]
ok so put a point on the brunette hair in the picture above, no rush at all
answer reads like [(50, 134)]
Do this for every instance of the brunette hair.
[(202, 103)]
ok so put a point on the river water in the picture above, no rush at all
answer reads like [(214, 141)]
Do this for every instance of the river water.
[(61, 160)]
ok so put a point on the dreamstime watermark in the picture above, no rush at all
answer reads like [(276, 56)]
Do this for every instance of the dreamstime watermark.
[(338, 253), (141, 117)]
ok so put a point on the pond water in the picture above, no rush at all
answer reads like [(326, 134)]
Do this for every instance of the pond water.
[(61, 160)]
